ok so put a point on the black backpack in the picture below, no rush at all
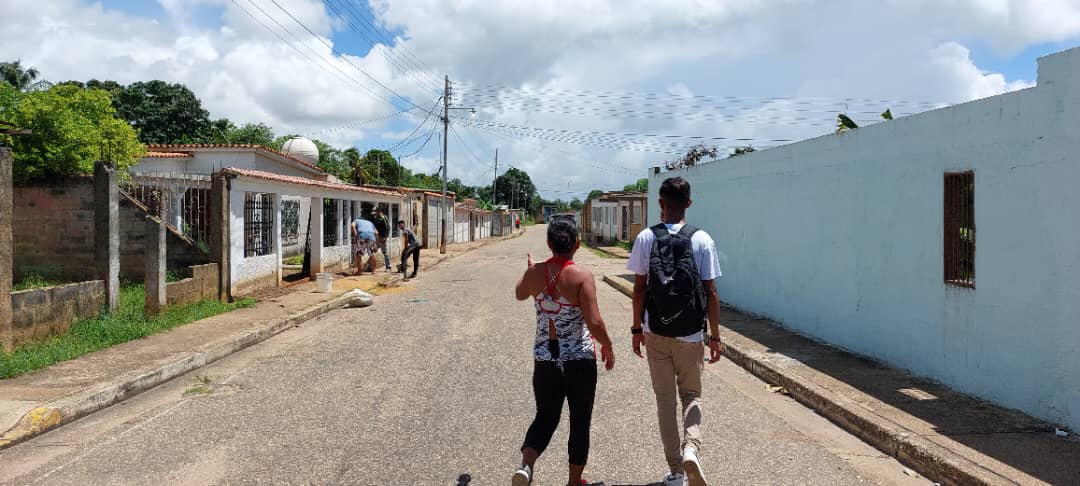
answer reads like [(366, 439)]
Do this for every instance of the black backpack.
[(675, 298)]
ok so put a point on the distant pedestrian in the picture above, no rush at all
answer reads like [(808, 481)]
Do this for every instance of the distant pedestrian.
[(382, 230), (675, 266), (567, 321), (364, 246), (410, 246)]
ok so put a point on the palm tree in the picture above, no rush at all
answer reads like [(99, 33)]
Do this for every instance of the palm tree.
[(358, 173), (22, 79)]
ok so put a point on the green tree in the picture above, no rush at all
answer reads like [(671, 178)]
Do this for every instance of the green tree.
[(252, 133), (642, 185), (332, 161), (515, 187), (595, 193), (693, 156), (162, 112), (20, 78), (71, 129), (576, 204)]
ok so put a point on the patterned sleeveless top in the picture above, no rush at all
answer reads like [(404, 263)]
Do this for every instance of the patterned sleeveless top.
[(572, 340)]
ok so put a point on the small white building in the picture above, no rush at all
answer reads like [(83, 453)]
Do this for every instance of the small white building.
[(280, 204)]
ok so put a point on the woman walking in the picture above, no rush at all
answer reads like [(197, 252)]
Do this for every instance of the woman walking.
[(567, 323)]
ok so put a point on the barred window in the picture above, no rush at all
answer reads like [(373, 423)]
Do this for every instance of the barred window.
[(290, 222), (258, 224), (330, 219), (960, 229)]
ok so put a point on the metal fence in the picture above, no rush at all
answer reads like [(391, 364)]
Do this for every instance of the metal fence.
[(330, 222)]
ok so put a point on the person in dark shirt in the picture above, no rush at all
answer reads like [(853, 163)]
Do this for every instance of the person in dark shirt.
[(382, 227), (410, 246)]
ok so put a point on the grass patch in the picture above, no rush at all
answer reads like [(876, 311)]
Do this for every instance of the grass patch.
[(95, 333), (598, 252), (33, 281), (626, 245), (294, 260)]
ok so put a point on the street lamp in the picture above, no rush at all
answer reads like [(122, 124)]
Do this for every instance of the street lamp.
[(446, 129)]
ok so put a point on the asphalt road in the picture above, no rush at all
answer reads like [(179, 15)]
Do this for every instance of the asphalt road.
[(431, 385)]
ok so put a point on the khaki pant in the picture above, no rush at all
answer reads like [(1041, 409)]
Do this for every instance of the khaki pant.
[(675, 367)]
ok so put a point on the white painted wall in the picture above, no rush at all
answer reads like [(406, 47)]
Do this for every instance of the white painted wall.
[(207, 162), (840, 237)]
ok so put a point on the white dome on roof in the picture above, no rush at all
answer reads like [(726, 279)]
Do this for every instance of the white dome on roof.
[(302, 149)]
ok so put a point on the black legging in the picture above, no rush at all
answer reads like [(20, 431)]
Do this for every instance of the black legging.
[(415, 252), (576, 382)]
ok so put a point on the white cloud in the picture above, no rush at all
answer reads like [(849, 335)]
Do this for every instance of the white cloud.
[(894, 51)]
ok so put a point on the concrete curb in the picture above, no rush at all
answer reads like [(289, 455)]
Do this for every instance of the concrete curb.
[(929, 459), (64, 410)]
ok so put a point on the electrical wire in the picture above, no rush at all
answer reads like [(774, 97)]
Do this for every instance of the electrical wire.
[(334, 50)]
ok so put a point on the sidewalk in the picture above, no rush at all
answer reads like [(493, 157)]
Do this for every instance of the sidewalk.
[(947, 436), (36, 402)]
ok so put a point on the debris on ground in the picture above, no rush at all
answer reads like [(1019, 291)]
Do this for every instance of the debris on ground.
[(911, 473), (358, 298), (777, 389), (1060, 433)]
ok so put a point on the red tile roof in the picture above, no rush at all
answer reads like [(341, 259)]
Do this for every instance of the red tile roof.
[(269, 176), (168, 155), (210, 146)]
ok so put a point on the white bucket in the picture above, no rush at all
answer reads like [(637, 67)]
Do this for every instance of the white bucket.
[(325, 282)]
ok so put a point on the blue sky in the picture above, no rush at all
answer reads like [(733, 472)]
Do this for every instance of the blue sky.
[(915, 50)]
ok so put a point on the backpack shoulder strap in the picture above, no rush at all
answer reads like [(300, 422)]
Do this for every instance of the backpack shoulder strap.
[(659, 230), (688, 231)]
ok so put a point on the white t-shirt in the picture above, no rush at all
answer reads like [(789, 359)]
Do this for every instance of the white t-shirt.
[(705, 257)]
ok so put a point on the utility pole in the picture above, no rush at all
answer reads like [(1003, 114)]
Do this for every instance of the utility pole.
[(495, 181), (446, 128)]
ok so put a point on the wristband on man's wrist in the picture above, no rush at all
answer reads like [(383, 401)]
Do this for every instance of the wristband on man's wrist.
[(636, 330), (715, 339)]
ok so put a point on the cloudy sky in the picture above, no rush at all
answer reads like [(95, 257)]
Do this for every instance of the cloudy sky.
[(581, 94)]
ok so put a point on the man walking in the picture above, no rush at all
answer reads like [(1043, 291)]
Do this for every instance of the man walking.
[(382, 228), (675, 266), (410, 246)]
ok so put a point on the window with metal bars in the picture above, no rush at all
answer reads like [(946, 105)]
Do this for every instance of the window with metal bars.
[(330, 222), (960, 229), (258, 224), (290, 222)]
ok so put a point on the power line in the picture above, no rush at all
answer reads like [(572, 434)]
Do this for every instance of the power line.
[(408, 58), (344, 79), (335, 51), (361, 122), (430, 113), (387, 53)]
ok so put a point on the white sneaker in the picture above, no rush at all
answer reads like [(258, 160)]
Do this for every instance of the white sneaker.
[(690, 463), (674, 480), (522, 477)]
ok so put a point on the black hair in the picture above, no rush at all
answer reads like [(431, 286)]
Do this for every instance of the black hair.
[(562, 235), (401, 221), (675, 190)]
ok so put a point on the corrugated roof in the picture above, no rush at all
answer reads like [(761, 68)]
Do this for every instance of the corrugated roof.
[(211, 146), (303, 181)]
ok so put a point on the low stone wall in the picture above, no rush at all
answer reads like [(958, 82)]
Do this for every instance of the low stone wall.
[(202, 285), (49, 311)]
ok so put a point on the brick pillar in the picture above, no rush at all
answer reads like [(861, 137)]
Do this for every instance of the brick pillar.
[(219, 233), (155, 265), (107, 232), (316, 232), (7, 332)]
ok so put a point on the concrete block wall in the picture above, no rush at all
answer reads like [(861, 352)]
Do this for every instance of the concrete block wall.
[(54, 229), (180, 252), (54, 234), (38, 313), (202, 285), (841, 238)]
